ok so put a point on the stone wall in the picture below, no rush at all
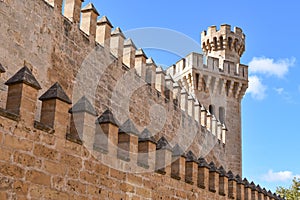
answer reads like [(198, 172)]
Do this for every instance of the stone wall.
[(57, 79), (56, 50), (38, 160)]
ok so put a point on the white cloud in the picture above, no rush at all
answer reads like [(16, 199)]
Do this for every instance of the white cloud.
[(270, 67), (256, 88), (285, 95), (279, 90), (280, 176)]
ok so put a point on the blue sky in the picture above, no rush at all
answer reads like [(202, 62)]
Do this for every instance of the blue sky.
[(270, 109)]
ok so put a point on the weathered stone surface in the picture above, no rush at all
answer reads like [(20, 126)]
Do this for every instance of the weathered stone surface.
[(104, 20), (2, 70), (177, 151), (90, 7), (83, 105), (190, 157), (55, 92), (107, 117), (129, 128), (37, 163), (24, 75), (162, 143), (38, 177), (146, 135)]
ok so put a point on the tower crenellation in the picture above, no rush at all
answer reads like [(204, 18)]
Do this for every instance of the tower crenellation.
[(224, 43)]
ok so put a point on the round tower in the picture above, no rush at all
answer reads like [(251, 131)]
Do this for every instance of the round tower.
[(224, 44), (219, 83), (226, 81)]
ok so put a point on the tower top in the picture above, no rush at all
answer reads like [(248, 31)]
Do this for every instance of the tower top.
[(224, 43)]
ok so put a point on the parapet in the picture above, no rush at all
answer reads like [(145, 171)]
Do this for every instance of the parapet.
[(224, 29), (61, 153), (224, 43), (214, 65)]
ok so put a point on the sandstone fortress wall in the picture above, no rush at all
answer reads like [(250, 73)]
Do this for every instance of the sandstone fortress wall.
[(77, 120)]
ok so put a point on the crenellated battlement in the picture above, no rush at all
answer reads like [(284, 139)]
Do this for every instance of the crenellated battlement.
[(197, 73), (224, 29), (209, 64), (51, 150), (224, 43), (131, 125)]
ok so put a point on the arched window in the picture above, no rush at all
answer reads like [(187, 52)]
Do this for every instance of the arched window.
[(174, 69), (215, 43), (221, 42), (229, 43), (222, 115), (197, 81), (211, 109), (208, 45), (236, 42)]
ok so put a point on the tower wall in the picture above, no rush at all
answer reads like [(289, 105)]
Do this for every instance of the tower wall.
[(228, 46), (219, 81)]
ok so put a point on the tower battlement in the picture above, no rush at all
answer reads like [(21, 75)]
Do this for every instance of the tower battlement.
[(197, 61), (224, 43)]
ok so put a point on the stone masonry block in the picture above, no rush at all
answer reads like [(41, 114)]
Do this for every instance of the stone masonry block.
[(38, 177)]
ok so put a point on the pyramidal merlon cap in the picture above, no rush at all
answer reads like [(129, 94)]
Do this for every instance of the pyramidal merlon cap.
[(83, 105), (150, 61), (140, 52), (177, 151), (90, 7), (107, 117), (231, 175), (55, 92), (117, 31), (246, 182), (146, 135), (190, 157), (212, 167), (128, 42), (104, 20), (128, 127), (222, 171), (163, 143), (203, 163), (25, 76)]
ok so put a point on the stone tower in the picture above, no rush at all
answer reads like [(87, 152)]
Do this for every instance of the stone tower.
[(224, 44), (218, 81)]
